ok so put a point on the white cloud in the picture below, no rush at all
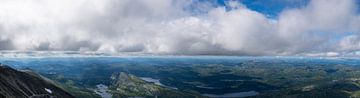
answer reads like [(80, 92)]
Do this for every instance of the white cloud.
[(165, 27)]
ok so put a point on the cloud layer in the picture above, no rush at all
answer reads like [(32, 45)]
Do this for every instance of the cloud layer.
[(322, 27)]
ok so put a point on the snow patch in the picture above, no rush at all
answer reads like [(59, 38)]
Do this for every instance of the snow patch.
[(48, 90)]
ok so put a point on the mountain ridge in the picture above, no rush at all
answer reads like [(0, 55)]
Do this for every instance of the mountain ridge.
[(21, 84)]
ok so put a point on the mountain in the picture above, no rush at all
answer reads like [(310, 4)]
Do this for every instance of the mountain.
[(127, 85), (21, 84)]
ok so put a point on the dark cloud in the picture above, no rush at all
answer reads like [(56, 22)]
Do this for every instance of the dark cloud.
[(6, 45)]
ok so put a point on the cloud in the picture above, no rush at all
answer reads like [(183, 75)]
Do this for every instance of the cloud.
[(171, 27), (308, 27)]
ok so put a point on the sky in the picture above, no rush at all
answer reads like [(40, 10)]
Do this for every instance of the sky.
[(183, 27)]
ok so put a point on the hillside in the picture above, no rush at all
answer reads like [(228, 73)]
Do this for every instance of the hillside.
[(24, 85), (127, 85)]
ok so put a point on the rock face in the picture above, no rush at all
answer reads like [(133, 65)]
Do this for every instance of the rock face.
[(18, 84), (127, 85)]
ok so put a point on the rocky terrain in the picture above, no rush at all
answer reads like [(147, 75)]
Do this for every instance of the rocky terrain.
[(21, 84)]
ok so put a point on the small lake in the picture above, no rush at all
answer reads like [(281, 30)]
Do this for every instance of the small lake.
[(155, 81), (101, 90)]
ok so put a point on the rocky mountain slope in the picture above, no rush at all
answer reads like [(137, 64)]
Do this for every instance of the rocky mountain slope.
[(21, 84)]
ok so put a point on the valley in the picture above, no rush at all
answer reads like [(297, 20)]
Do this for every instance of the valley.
[(198, 77)]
